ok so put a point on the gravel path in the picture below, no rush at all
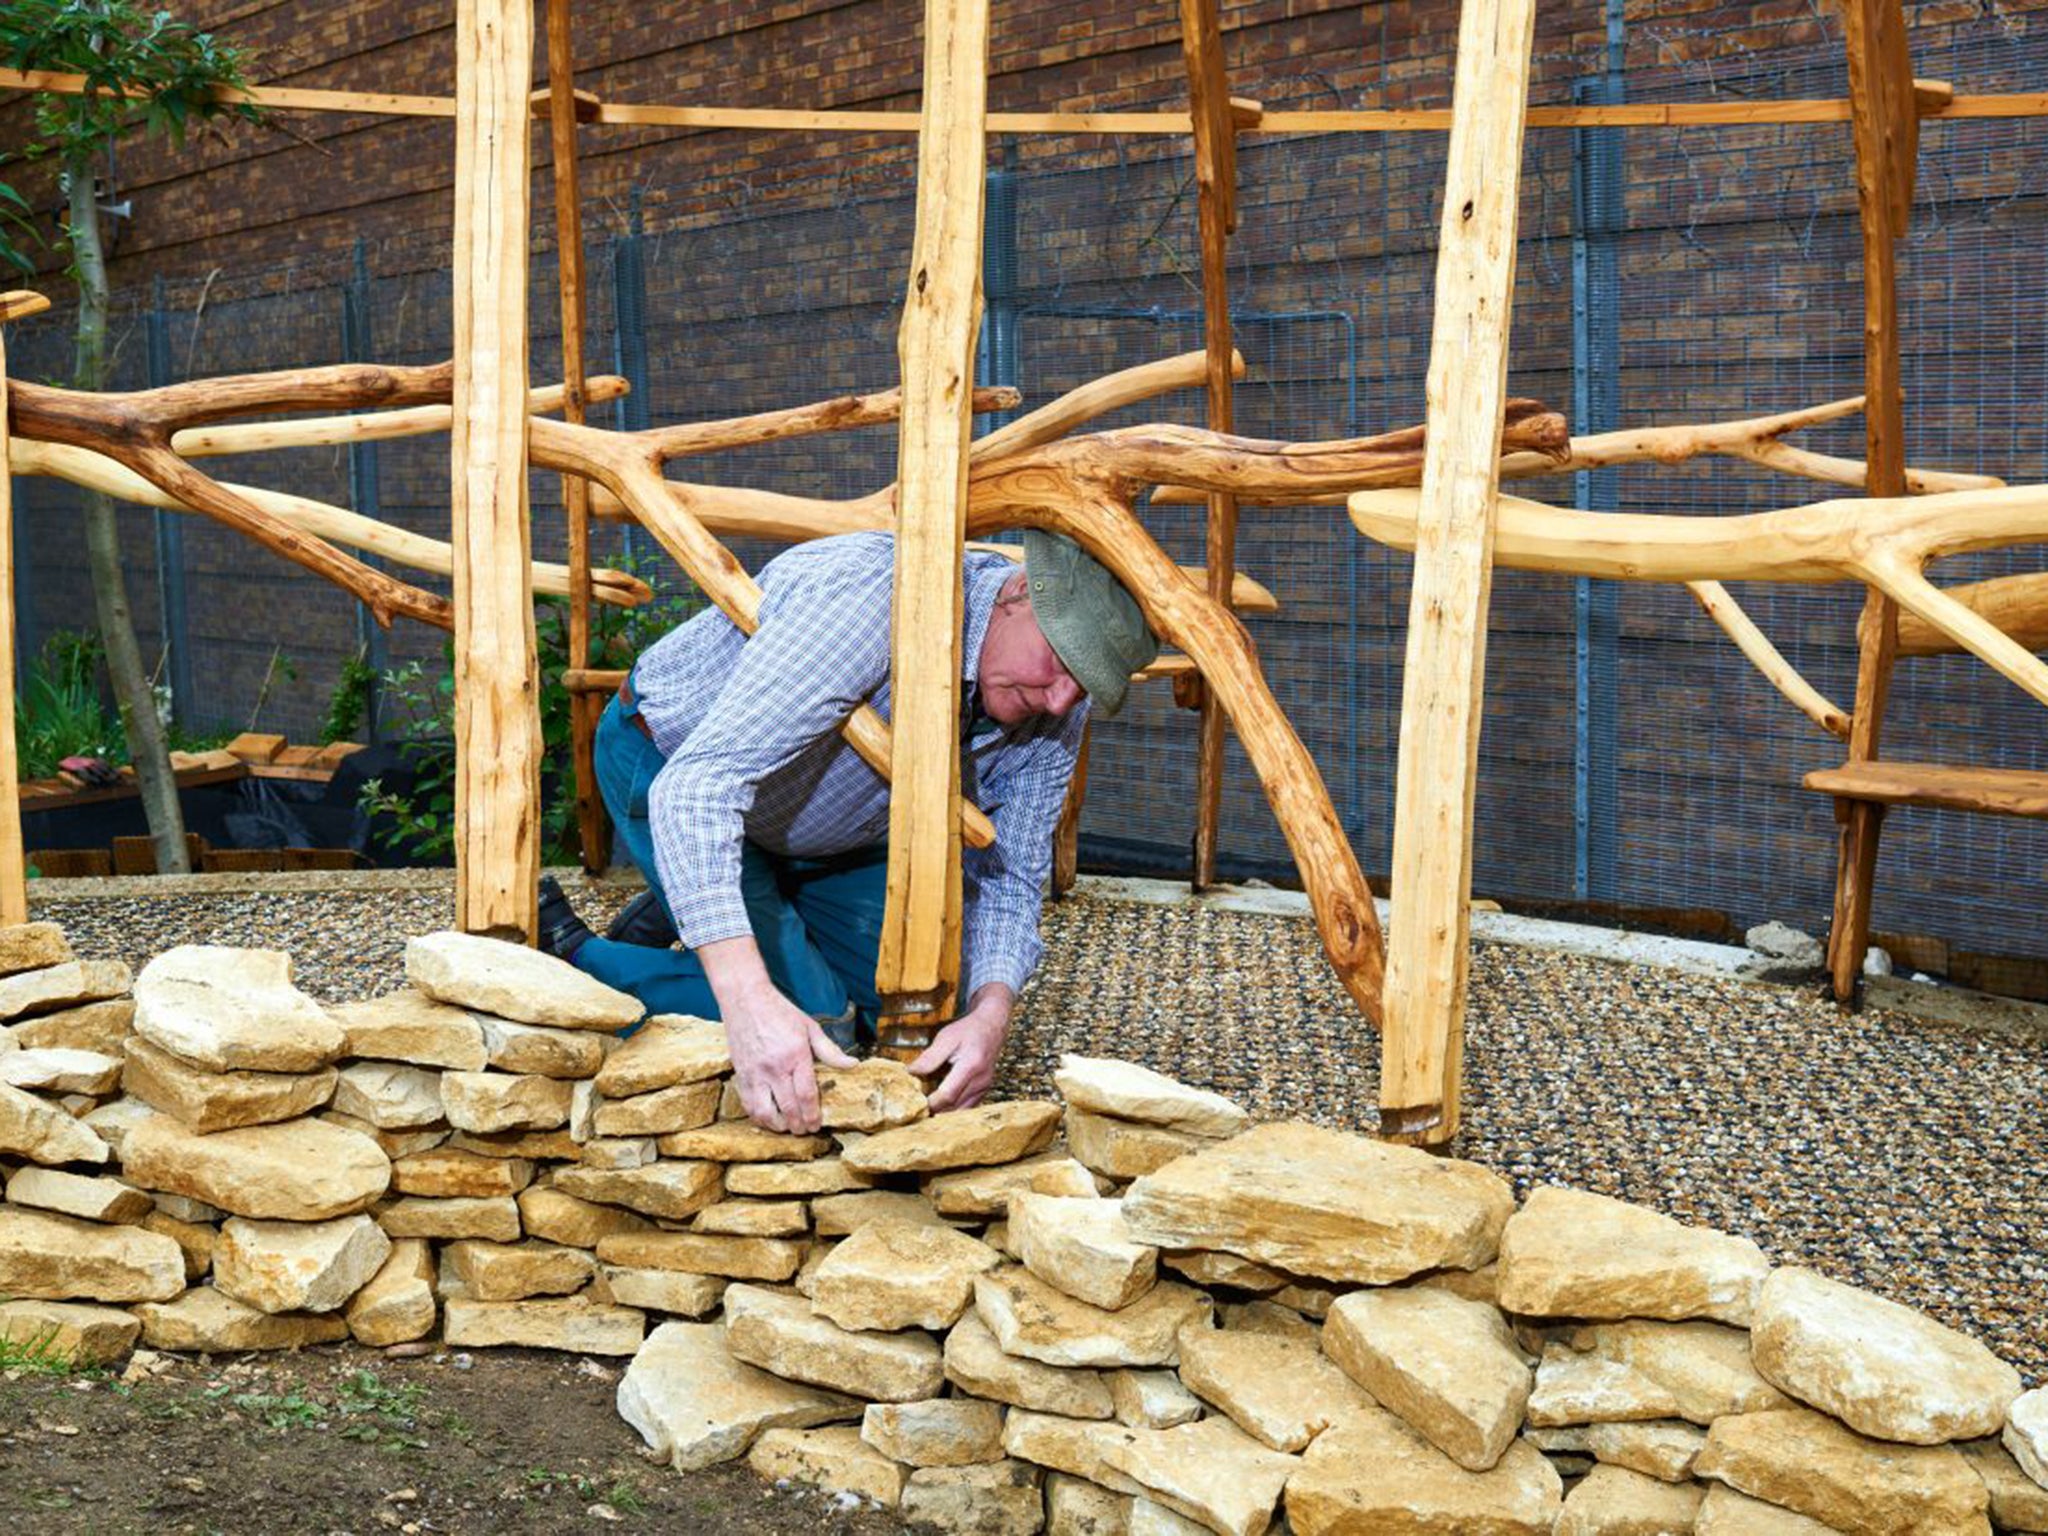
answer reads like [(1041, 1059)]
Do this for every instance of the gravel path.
[(1900, 1154)]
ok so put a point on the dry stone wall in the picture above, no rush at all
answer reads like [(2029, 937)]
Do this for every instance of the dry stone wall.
[(1129, 1312)]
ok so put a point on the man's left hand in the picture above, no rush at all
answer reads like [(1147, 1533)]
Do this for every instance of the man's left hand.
[(969, 1049)]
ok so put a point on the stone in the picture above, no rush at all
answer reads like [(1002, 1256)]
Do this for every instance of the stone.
[(61, 986), (988, 1133), (76, 1194), (996, 1498), (1572, 1388), (389, 1094), (617, 1153), (699, 1253), (493, 1218), (542, 1051), (102, 1026), (1123, 1149), (1724, 1512), (1885, 1370), (517, 1271), (1706, 1367), (1060, 1175), (231, 1010), (394, 1144), (1786, 945), (877, 1095), (206, 1101), (1271, 1317), (397, 1305), (187, 1209), (1567, 1253), (556, 1217), (897, 1274), (1228, 1270), (511, 981), (1325, 1204), (72, 1331), (1447, 1366), (39, 1131), (294, 1266), (976, 1363), (409, 1026), (550, 1146), (1613, 1501), (60, 1069), (843, 1215), (1127, 1091), (300, 1170), (60, 1258), (741, 1141), (112, 1121), (1148, 1518), (753, 1218), (937, 1432), (1083, 1247), (503, 1101), (1307, 1300), (780, 1333), (2018, 1502), (203, 1321), (583, 1103), (659, 1290), (826, 1176), (664, 1112), (1373, 1473), (834, 1459), (695, 1405), (668, 1049), (981, 1193), (1807, 1462), (1031, 1318), (671, 1190), (1076, 1507), (195, 1241), (1661, 1448), (444, 1173), (2026, 1434), (32, 947), (1211, 1471), (1281, 1392), (1074, 1446), (573, 1324), (1156, 1399)]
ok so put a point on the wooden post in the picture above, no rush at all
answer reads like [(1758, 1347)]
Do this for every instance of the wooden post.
[(1216, 194), (1422, 1053), (584, 708), (919, 968), (1066, 837), (13, 865), (1885, 123), (497, 721)]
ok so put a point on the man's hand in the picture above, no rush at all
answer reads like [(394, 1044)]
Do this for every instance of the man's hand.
[(772, 1041), (969, 1048)]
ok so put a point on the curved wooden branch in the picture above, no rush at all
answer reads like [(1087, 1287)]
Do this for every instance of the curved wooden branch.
[(1901, 580), (694, 437), (2016, 604), (1767, 658), (330, 431), (55, 415), (1097, 398)]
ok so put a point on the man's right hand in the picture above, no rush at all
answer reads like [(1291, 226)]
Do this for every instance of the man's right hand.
[(772, 1041)]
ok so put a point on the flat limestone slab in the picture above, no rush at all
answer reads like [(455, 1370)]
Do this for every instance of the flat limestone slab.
[(834, 1459), (1125, 1149), (292, 1266), (69, 985), (32, 947), (2026, 1434), (542, 1049), (1324, 1203), (60, 1258), (877, 1095), (220, 1101), (1372, 1473), (673, 1190), (2018, 1502), (409, 1026), (895, 1274), (492, 1219), (696, 1405), (988, 1133), (1074, 1446), (100, 1026), (76, 1194), (780, 1333), (1159, 1400), (1574, 1388), (570, 1323), (659, 1290), (519, 1271), (398, 1305), (301, 1170), (445, 1171), (60, 1069), (389, 1095), (511, 981), (977, 1364), (1083, 1246), (484, 1102), (1661, 1448), (996, 1498), (1612, 1501), (1807, 1462), (1447, 1366), (1030, 1318), (1724, 1512), (1567, 1253), (1281, 1392), (233, 1010), (1884, 1370), (741, 1141), (203, 1321), (1211, 1471), (703, 1253), (753, 1218), (1705, 1367), (69, 1330), (937, 1432), (562, 1218), (668, 1049), (662, 1112), (981, 1193), (42, 1132), (1127, 1091), (827, 1176)]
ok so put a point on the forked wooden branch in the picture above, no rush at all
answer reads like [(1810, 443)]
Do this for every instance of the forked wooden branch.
[(382, 426)]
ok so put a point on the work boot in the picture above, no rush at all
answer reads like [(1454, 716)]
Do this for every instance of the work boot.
[(644, 920), (562, 932)]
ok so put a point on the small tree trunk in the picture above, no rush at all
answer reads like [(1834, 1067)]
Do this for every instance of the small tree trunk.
[(133, 696)]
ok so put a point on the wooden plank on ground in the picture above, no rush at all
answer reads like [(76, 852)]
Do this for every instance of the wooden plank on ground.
[(920, 948), (1428, 945), (497, 721)]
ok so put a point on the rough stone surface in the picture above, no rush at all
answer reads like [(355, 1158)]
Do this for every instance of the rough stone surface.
[(203, 1321), (69, 1330), (988, 1133), (834, 1459), (827, 1176), (1706, 1367), (976, 1363), (390, 1095), (393, 1144), (101, 1026), (843, 1215), (195, 1241), (76, 1194), (741, 1141), (293, 1266), (1724, 1512), (1124, 1149), (1082, 1246), (877, 1095), (1127, 1091), (998, 1498), (2026, 1434), (518, 1271), (1884, 1370), (1074, 1446), (59, 1258), (1281, 1392), (39, 1131), (1229, 1270), (233, 1010), (659, 1290), (573, 1324), (397, 1306), (1808, 1462), (696, 1405), (1372, 1473), (32, 947), (981, 1193), (1661, 1448), (503, 1101), (781, 1333), (1031, 1318), (60, 1069), (1613, 1501), (1270, 1317), (1572, 1388), (1448, 1366), (409, 1026), (1212, 1472), (618, 1152), (1076, 1507), (541, 1050), (68, 985), (699, 1253), (493, 1219), (753, 1218), (2018, 1502), (1324, 1203), (673, 1190), (301, 1170), (896, 1274), (443, 1173), (667, 1050), (550, 1146), (938, 1432), (1158, 1399), (1567, 1253), (663, 1112), (562, 1218), (511, 981), (207, 1101)]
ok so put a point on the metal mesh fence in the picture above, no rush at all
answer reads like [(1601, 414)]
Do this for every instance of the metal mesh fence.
[(1630, 755)]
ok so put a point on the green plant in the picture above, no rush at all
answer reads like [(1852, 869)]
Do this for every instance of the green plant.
[(41, 1356), (380, 1414), (348, 707), (59, 713)]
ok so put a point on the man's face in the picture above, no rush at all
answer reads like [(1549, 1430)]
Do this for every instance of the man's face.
[(1020, 674)]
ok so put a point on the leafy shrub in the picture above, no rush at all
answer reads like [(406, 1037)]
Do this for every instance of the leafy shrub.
[(59, 712)]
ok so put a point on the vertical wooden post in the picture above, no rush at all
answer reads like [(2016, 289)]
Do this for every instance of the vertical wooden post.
[(13, 866), (919, 968), (1215, 190), (1422, 1052), (1066, 837), (584, 708), (1885, 123), (497, 723)]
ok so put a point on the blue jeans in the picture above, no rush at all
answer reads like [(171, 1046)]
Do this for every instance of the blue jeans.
[(818, 921)]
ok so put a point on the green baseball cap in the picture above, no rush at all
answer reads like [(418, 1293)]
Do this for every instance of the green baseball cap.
[(1095, 627)]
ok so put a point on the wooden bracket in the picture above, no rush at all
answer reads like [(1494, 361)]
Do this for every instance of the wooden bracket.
[(587, 109), (20, 304)]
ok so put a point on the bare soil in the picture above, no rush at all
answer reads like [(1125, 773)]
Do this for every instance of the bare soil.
[(352, 1440)]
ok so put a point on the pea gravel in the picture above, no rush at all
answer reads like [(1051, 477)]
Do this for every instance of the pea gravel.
[(1898, 1153)]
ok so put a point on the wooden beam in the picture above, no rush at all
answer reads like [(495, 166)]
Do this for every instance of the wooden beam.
[(1428, 947), (497, 686), (13, 866), (1066, 837), (918, 972), (371, 427)]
